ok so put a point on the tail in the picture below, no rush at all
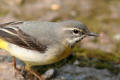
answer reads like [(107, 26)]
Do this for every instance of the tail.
[(3, 44), (6, 33)]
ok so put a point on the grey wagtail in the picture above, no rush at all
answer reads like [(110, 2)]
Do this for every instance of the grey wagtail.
[(41, 43)]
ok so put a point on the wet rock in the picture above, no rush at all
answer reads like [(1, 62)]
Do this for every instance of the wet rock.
[(48, 74), (76, 62), (72, 72)]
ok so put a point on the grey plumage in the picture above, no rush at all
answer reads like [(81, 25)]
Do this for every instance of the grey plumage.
[(53, 29), (42, 34), (38, 35)]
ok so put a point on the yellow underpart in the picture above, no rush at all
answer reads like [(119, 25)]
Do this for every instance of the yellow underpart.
[(3, 44)]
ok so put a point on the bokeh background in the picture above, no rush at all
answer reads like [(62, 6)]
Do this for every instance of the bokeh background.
[(94, 58)]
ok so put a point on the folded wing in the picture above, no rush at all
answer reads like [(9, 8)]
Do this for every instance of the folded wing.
[(10, 32)]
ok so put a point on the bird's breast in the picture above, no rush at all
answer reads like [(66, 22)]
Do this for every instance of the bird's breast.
[(58, 53)]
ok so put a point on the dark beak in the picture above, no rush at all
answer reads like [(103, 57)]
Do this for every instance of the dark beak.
[(92, 34)]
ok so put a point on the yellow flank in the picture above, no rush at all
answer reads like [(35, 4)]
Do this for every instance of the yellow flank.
[(3, 44), (67, 52)]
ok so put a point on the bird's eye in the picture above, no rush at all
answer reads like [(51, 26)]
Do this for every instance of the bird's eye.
[(75, 31)]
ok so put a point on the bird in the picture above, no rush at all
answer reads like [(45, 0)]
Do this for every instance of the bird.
[(41, 42)]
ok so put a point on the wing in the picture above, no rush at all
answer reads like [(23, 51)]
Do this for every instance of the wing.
[(10, 23), (11, 33)]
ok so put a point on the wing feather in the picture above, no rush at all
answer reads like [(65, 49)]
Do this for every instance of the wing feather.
[(16, 36)]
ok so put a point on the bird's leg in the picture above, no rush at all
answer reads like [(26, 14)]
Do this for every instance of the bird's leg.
[(15, 68), (28, 68)]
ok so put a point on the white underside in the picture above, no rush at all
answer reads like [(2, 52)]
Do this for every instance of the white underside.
[(36, 58)]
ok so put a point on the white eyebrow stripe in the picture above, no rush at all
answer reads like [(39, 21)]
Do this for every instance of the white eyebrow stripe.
[(70, 28), (7, 31)]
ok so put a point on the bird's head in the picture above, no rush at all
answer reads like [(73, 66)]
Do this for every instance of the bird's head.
[(75, 31)]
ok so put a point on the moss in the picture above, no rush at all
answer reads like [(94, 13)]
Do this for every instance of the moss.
[(91, 53), (98, 59)]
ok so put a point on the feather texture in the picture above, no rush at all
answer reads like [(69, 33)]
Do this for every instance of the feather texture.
[(16, 36)]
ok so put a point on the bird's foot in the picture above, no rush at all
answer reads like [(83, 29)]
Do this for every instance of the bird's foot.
[(34, 73), (18, 74)]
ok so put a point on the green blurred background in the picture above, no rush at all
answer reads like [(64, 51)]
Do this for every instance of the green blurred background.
[(101, 16)]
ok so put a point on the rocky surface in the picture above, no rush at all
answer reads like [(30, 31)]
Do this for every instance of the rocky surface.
[(65, 72), (73, 72)]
